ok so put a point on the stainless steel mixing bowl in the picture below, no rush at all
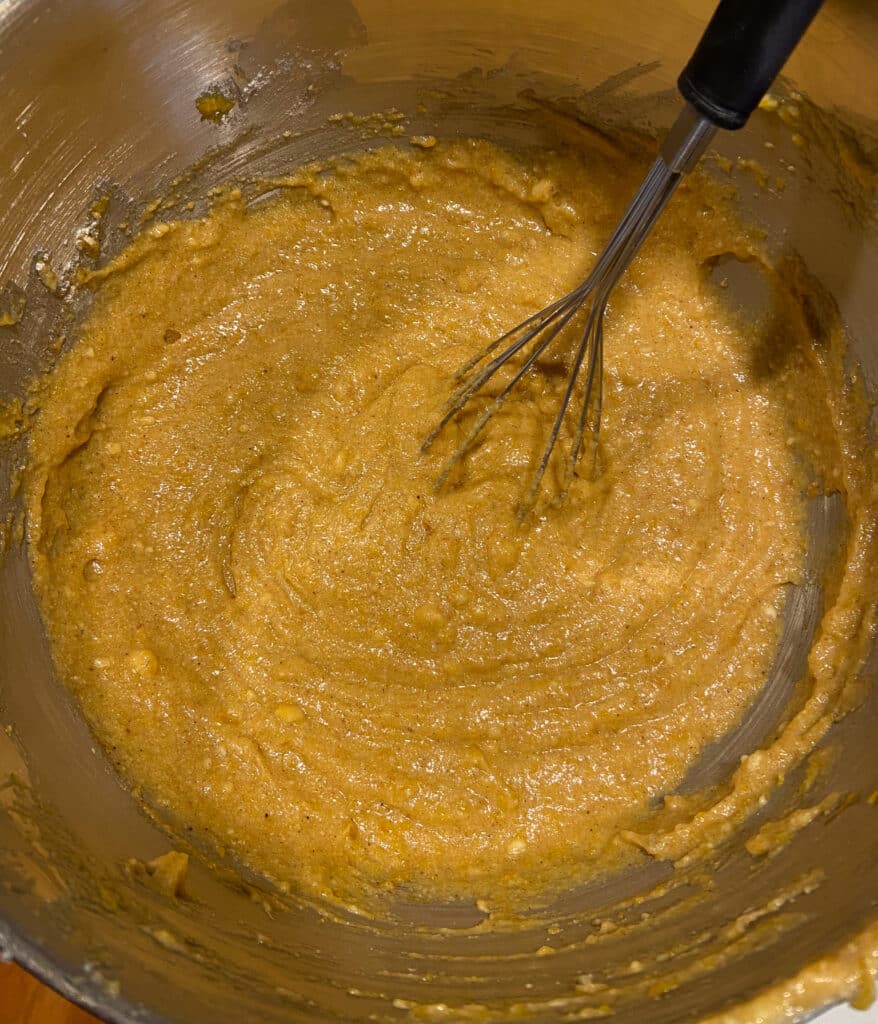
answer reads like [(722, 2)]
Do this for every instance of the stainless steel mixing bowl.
[(98, 97)]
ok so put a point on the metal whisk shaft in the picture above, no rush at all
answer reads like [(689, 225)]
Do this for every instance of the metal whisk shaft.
[(684, 144)]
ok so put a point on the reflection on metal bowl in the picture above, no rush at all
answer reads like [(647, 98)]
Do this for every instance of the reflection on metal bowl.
[(100, 97)]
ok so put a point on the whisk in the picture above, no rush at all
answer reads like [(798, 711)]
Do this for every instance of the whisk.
[(743, 48)]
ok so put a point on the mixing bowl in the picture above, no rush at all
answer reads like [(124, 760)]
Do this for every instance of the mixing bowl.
[(99, 100)]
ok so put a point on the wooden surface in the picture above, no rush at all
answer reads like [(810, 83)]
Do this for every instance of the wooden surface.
[(23, 1000)]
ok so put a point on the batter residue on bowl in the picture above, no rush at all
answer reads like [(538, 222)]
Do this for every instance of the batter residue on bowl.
[(288, 639)]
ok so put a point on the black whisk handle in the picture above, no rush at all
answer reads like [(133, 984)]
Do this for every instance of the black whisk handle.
[(740, 54)]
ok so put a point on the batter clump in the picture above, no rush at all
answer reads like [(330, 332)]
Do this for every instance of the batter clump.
[(288, 639)]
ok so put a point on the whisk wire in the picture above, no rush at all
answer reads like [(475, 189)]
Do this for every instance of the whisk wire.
[(559, 417), (594, 381), (489, 412), (468, 388)]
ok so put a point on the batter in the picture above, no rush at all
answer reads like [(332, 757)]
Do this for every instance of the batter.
[(289, 640)]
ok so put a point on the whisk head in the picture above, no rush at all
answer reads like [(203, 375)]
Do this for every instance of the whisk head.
[(521, 348), (520, 351)]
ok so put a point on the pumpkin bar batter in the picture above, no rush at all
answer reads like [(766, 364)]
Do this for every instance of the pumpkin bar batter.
[(289, 640)]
